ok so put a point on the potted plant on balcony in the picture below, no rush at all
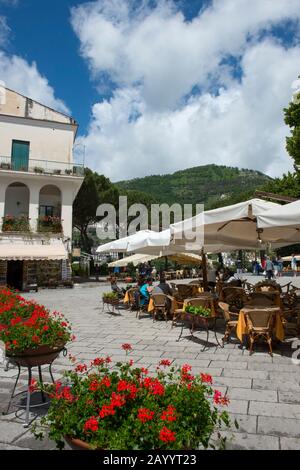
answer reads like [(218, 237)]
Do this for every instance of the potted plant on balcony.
[(5, 166), (31, 334), (123, 408), (50, 224), (68, 171), (15, 224), (38, 169), (57, 171)]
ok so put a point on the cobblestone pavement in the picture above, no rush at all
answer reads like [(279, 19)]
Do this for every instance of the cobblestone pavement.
[(264, 391)]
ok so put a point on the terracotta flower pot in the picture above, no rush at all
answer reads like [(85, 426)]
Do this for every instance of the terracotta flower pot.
[(35, 357), (77, 444)]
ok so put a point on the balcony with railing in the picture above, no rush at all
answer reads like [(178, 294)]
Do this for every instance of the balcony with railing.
[(15, 224), (49, 224), (45, 224), (41, 167)]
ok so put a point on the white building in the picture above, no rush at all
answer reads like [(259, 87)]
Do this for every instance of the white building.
[(38, 184)]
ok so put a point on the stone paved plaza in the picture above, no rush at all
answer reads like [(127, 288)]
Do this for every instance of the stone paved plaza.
[(264, 392)]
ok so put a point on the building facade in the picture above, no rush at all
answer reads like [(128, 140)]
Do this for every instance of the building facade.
[(38, 184)]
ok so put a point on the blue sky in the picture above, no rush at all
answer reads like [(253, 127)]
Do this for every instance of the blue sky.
[(162, 85), (42, 32)]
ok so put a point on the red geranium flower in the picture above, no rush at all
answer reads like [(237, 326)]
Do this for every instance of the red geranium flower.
[(127, 347), (166, 435), (81, 368), (144, 415), (169, 414), (206, 378), (32, 387), (165, 362), (91, 424), (219, 399), (106, 410)]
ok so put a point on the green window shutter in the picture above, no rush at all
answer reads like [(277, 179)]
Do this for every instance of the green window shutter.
[(20, 155)]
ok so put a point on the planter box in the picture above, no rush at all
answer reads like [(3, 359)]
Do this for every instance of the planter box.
[(35, 357)]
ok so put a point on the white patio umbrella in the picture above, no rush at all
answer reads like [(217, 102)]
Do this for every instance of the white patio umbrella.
[(134, 259), (120, 245), (233, 225), (282, 224)]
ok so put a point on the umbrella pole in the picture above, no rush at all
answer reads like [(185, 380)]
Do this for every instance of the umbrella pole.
[(204, 270)]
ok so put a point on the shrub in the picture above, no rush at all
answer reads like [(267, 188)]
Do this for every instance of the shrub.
[(124, 408), (24, 324)]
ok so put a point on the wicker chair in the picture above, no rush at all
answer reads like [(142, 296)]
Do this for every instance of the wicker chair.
[(161, 305), (260, 324), (186, 291), (231, 320), (132, 299), (235, 297), (264, 299), (267, 286)]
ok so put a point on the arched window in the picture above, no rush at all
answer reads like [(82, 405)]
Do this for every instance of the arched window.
[(17, 200), (50, 201)]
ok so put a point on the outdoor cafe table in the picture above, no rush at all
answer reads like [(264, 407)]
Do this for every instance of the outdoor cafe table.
[(242, 328)]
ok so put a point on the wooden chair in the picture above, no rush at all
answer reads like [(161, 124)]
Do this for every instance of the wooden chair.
[(267, 286), (186, 291), (264, 299), (231, 320), (249, 288), (235, 297), (132, 300), (260, 324), (161, 305)]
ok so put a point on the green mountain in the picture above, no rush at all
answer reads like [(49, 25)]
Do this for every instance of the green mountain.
[(213, 185)]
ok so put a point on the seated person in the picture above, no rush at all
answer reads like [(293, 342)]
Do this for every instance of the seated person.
[(115, 287), (162, 288), (145, 290)]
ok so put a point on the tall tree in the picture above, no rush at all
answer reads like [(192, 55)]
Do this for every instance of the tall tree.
[(292, 119), (85, 207)]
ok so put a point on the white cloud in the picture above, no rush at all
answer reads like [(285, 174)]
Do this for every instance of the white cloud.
[(19, 75), (4, 30), (160, 49), (155, 57)]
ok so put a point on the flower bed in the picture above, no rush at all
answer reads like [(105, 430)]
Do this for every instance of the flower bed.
[(15, 224), (125, 408), (26, 325), (49, 224)]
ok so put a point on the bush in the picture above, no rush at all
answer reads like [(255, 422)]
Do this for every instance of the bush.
[(24, 324), (124, 408)]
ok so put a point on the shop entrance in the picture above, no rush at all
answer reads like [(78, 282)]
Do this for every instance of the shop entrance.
[(14, 277)]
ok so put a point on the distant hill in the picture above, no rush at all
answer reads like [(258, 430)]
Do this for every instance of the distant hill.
[(213, 185)]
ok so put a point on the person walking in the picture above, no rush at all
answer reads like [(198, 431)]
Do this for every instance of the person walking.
[(294, 264), (269, 268), (280, 266)]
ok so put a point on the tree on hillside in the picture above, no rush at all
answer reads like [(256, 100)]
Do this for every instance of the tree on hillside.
[(292, 119)]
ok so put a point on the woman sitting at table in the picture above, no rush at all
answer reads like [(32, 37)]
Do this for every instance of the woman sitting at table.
[(115, 287), (145, 291)]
